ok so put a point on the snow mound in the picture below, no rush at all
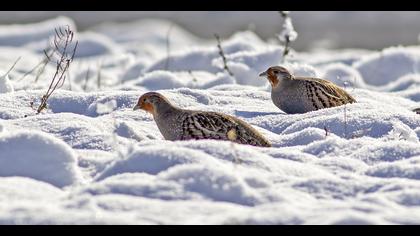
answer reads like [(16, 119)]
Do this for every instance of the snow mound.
[(409, 169), (5, 85), (343, 76), (147, 30), (244, 52), (135, 70), (157, 80), (53, 161), (16, 189), (154, 160), (304, 70), (19, 35), (93, 44), (213, 183), (388, 65), (404, 83), (149, 38), (193, 59)]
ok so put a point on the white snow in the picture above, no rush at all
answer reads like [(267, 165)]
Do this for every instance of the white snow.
[(21, 35), (5, 85), (90, 159), (39, 156)]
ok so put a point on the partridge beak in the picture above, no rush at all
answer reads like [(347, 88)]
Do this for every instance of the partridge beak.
[(136, 107), (263, 74)]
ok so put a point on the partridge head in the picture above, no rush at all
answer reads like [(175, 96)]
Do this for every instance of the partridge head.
[(275, 74), (153, 103)]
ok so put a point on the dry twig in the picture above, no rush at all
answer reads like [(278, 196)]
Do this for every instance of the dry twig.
[(345, 114), (288, 34), (222, 54), (326, 131), (62, 56), (48, 53), (13, 66), (168, 47), (86, 79), (99, 77)]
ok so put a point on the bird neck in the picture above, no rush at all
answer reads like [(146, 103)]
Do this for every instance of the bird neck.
[(276, 82), (167, 120), (163, 109)]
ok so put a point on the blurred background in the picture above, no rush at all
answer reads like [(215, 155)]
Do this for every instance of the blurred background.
[(325, 29)]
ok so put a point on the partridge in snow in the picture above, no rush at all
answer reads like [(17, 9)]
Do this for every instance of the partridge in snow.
[(180, 124), (303, 94)]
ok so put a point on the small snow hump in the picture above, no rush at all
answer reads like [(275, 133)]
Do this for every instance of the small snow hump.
[(5, 84), (53, 161)]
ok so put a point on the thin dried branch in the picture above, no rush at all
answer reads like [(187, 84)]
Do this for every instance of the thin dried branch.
[(287, 33), (86, 79), (346, 85), (48, 53), (13, 66), (222, 54), (99, 77), (168, 47), (61, 42), (326, 131), (345, 121), (286, 48), (345, 114), (284, 14)]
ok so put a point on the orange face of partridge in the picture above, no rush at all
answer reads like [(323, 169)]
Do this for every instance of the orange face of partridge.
[(273, 74), (144, 103)]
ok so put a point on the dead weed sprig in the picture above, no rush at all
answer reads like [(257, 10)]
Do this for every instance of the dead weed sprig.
[(62, 56)]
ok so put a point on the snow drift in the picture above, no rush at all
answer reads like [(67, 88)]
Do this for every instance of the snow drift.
[(38, 156)]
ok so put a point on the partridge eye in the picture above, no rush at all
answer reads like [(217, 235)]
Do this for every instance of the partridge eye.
[(276, 72)]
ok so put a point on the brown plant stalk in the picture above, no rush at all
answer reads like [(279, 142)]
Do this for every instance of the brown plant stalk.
[(63, 59)]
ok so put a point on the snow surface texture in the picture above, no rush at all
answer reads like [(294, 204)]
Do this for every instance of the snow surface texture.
[(5, 85), (90, 159)]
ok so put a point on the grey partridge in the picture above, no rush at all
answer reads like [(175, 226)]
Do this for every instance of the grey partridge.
[(181, 124), (303, 94)]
